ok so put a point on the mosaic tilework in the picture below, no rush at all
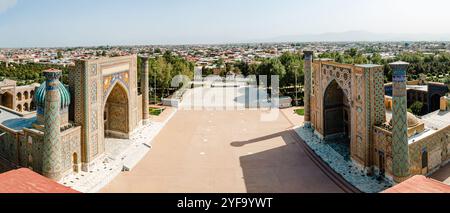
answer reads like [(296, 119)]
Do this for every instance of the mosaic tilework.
[(400, 150), (400, 130), (76, 88), (94, 144), (52, 159), (342, 76), (378, 103), (145, 89), (94, 120), (93, 91), (308, 74), (93, 70), (110, 81)]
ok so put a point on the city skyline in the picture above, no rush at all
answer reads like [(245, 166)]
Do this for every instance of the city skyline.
[(48, 23)]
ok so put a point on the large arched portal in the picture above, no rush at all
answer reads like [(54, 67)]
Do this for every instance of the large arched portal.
[(115, 114), (336, 113)]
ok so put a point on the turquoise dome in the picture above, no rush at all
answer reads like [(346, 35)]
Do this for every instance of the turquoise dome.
[(39, 95)]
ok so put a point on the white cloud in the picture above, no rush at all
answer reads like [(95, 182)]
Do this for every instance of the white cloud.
[(6, 4)]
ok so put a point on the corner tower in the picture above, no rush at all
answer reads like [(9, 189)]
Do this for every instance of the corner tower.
[(145, 90), (400, 150), (308, 79), (52, 165)]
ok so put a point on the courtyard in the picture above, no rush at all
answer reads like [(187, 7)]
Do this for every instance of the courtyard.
[(226, 152)]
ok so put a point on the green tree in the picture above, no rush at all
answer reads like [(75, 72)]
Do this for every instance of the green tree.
[(59, 54), (416, 108)]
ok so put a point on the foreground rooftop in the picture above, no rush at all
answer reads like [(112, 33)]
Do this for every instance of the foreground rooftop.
[(419, 184), (27, 181)]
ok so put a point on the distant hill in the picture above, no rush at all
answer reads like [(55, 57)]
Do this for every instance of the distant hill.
[(359, 36)]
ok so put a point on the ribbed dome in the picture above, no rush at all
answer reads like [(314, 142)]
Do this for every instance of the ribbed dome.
[(412, 120), (39, 95)]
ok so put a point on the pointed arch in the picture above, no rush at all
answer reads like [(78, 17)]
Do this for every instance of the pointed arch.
[(116, 113), (336, 112)]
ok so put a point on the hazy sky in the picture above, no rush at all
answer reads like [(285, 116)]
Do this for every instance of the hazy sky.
[(25, 23)]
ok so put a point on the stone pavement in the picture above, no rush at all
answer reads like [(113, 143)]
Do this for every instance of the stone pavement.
[(224, 152), (121, 155), (345, 168)]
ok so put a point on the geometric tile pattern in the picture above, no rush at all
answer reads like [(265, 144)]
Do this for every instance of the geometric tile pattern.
[(342, 76), (400, 149), (51, 153), (400, 138), (110, 81), (93, 91), (93, 70), (76, 86), (145, 88), (378, 90)]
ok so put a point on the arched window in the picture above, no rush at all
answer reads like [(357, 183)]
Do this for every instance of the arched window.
[(32, 106), (19, 96), (19, 108), (26, 95), (75, 162), (424, 158)]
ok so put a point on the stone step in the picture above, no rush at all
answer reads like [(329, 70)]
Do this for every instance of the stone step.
[(135, 157)]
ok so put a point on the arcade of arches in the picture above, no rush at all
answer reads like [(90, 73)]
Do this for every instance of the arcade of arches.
[(18, 100)]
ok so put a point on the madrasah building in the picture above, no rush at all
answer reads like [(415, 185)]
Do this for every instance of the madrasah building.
[(346, 104), (343, 103), (66, 133)]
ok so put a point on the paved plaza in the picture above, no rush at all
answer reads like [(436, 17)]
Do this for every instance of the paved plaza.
[(225, 152), (443, 174)]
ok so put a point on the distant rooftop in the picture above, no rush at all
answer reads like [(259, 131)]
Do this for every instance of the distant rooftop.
[(368, 65), (399, 63), (437, 120), (417, 87)]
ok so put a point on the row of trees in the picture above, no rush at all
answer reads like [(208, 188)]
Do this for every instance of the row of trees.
[(434, 65), (29, 73), (288, 67), (164, 68)]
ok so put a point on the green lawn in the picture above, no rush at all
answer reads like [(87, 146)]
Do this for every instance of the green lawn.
[(156, 111), (300, 112)]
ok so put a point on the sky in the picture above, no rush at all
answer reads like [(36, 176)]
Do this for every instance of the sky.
[(61, 23)]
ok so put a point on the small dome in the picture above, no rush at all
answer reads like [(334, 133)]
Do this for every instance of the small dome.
[(39, 95), (411, 119)]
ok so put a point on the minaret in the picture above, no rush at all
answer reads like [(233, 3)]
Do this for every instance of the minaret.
[(145, 90), (400, 149), (307, 98), (51, 157)]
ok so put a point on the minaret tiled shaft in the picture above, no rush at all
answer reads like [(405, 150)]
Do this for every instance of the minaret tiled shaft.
[(307, 86), (400, 149), (145, 89), (52, 161)]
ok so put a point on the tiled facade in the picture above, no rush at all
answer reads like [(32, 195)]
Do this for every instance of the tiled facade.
[(104, 100), (373, 145), (360, 85)]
